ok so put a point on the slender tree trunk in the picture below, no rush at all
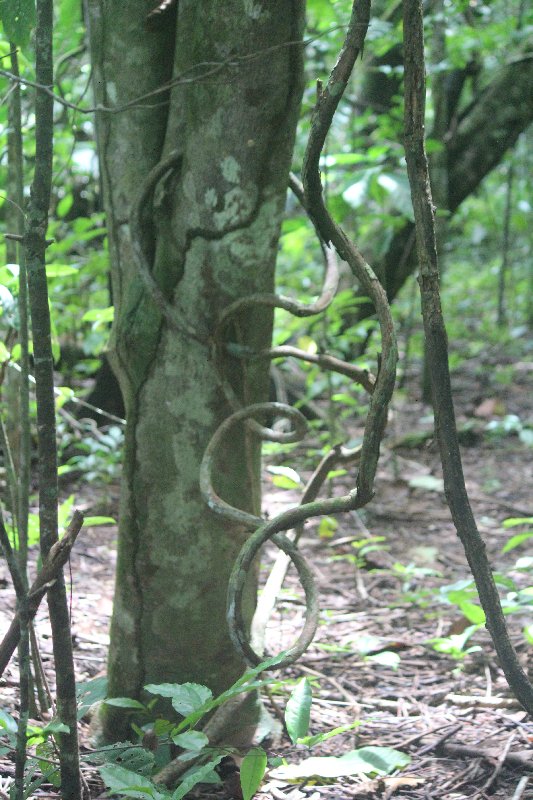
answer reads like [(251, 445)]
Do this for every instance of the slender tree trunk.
[(209, 233)]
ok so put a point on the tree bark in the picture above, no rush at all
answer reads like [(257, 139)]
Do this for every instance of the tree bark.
[(209, 237)]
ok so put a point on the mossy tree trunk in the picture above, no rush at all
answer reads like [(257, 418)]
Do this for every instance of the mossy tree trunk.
[(211, 236)]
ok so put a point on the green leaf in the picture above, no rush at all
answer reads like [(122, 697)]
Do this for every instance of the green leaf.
[(364, 761), (285, 477), (127, 783), (526, 436), (253, 769), (89, 693), (528, 634), (99, 315), (93, 522), (18, 18), (131, 757), (387, 658), (298, 710), (472, 612), (4, 353), (428, 482), (512, 522), (517, 540), (318, 738), (64, 205), (56, 727), (60, 270), (186, 697), (327, 527), (195, 776), (124, 702), (191, 740), (7, 722), (243, 684)]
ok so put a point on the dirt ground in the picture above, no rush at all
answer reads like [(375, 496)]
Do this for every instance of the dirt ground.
[(466, 737)]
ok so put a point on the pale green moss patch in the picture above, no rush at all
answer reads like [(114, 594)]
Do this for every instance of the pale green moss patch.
[(231, 169)]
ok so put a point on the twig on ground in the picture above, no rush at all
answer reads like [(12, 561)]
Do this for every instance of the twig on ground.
[(520, 758), (452, 728), (520, 788), (482, 701), (498, 768)]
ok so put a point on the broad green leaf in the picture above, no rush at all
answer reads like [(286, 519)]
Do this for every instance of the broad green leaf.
[(18, 18), (124, 702), (195, 776), (191, 740), (131, 757), (186, 697), (526, 436), (243, 684), (298, 710), (130, 784), (190, 698), (4, 353), (472, 612), (364, 761), (56, 727), (253, 769), (89, 693)]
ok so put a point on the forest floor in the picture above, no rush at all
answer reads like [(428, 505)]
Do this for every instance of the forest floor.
[(372, 660)]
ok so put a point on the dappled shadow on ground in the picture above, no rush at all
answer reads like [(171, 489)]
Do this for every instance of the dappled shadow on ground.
[(382, 577)]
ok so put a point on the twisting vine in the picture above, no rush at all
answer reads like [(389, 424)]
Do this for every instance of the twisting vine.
[(333, 240)]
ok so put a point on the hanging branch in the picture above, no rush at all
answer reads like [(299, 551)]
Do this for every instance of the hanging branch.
[(435, 331), (35, 247)]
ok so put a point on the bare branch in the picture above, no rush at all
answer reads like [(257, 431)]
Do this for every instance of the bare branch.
[(437, 349), (57, 558)]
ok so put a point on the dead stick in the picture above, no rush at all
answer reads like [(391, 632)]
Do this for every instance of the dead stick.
[(520, 758), (498, 768), (57, 558)]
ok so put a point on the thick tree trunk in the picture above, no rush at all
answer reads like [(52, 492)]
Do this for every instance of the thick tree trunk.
[(212, 232)]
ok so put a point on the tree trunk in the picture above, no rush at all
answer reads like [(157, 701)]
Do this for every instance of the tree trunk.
[(211, 237)]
